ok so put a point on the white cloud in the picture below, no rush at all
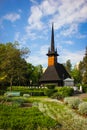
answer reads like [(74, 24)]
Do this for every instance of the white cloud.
[(72, 29), (66, 14), (44, 49), (37, 60), (11, 17), (34, 1), (34, 20), (49, 7), (39, 57), (70, 12), (68, 42), (75, 57), (62, 12)]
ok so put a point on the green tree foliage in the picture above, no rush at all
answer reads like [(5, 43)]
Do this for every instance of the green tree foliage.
[(37, 72), (83, 68), (14, 70), (68, 66), (76, 74), (33, 74), (12, 64)]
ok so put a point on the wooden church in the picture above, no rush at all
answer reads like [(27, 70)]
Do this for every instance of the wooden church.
[(55, 72)]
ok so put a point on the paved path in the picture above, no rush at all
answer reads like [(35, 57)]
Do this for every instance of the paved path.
[(82, 96)]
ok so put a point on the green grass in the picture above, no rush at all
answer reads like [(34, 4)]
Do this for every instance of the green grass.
[(85, 99), (16, 118), (48, 109)]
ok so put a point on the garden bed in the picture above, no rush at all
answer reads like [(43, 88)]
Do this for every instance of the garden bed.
[(65, 117), (26, 105)]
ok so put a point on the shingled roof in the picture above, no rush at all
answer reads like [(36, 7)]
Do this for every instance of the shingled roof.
[(55, 73)]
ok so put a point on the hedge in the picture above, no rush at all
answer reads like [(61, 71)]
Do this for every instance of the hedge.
[(31, 91)]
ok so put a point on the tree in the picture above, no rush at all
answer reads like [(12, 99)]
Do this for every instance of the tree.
[(68, 66), (76, 74), (29, 73), (37, 72), (85, 68), (33, 74), (12, 64)]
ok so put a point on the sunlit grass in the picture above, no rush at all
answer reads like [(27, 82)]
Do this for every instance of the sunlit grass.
[(63, 114)]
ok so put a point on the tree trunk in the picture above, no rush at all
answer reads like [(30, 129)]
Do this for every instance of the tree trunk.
[(11, 84)]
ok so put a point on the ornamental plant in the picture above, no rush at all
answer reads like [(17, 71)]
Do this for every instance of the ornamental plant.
[(73, 102), (63, 92), (83, 108), (67, 100)]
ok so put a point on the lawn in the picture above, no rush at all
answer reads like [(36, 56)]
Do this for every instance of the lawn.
[(45, 114)]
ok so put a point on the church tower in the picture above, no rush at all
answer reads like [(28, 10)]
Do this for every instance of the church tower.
[(55, 72), (52, 53)]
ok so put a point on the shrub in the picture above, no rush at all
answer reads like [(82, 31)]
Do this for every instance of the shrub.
[(83, 108), (26, 95), (57, 95), (31, 91), (50, 86), (59, 92), (65, 91), (67, 100), (2, 92), (73, 102), (49, 92), (84, 88)]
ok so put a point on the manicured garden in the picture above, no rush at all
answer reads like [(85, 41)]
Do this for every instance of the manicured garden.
[(40, 113), (15, 116)]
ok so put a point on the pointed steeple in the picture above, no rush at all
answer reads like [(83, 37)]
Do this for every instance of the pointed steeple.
[(52, 40), (52, 50)]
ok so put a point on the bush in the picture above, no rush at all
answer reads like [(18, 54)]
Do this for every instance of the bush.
[(84, 88), (31, 91), (65, 91), (57, 95), (2, 92), (67, 100), (59, 92), (49, 92), (83, 108), (73, 102), (50, 86), (26, 95)]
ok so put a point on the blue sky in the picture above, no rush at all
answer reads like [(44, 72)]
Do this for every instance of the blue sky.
[(29, 22)]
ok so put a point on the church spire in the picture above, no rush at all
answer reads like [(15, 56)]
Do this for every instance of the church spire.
[(52, 50), (52, 40)]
